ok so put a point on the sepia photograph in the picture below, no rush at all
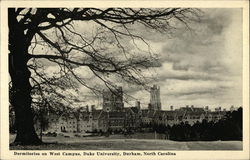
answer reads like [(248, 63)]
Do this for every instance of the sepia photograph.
[(142, 81)]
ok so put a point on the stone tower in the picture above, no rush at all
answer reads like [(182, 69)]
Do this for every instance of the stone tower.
[(155, 101), (113, 100)]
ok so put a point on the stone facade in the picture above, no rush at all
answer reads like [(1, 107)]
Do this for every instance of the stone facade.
[(113, 99), (155, 101), (115, 117), (189, 115), (130, 118)]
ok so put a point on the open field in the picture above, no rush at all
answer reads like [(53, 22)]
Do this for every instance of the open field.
[(114, 143)]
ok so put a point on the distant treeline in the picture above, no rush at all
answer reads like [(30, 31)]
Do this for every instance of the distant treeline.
[(228, 128)]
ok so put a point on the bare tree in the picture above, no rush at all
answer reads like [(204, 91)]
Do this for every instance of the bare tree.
[(102, 52)]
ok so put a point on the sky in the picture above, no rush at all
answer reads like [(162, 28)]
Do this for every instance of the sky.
[(201, 67)]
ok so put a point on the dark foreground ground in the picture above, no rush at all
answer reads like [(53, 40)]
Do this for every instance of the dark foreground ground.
[(118, 143)]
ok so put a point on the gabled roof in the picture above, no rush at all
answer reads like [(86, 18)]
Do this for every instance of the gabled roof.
[(191, 111), (112, 114), (218, 113), (158, 114), (144, 112), (103, 115), (151, 113), (116, 114), (169, 112), (96, 114), (128, 110), (135, 109), (84, 115)]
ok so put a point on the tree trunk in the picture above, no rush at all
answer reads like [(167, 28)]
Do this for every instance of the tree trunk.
[(20, 92)]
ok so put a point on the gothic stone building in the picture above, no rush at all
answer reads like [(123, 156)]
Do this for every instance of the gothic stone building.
[(113, 99), (115, 117), (155, 101)]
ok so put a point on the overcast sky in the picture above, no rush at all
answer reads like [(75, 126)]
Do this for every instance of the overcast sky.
[(199, 67), (203, 67)]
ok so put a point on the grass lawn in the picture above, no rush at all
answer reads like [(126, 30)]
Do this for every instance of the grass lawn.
[(115, 143)]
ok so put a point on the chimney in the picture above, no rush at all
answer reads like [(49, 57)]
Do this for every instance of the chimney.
[(93, 108), (171, 108), (87, 108), (232, 108), (192, 107), (206, 108), (219, 108), (138, 105), (149, 106)]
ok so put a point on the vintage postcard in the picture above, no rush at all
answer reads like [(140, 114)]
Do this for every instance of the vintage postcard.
[(125, 80)]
